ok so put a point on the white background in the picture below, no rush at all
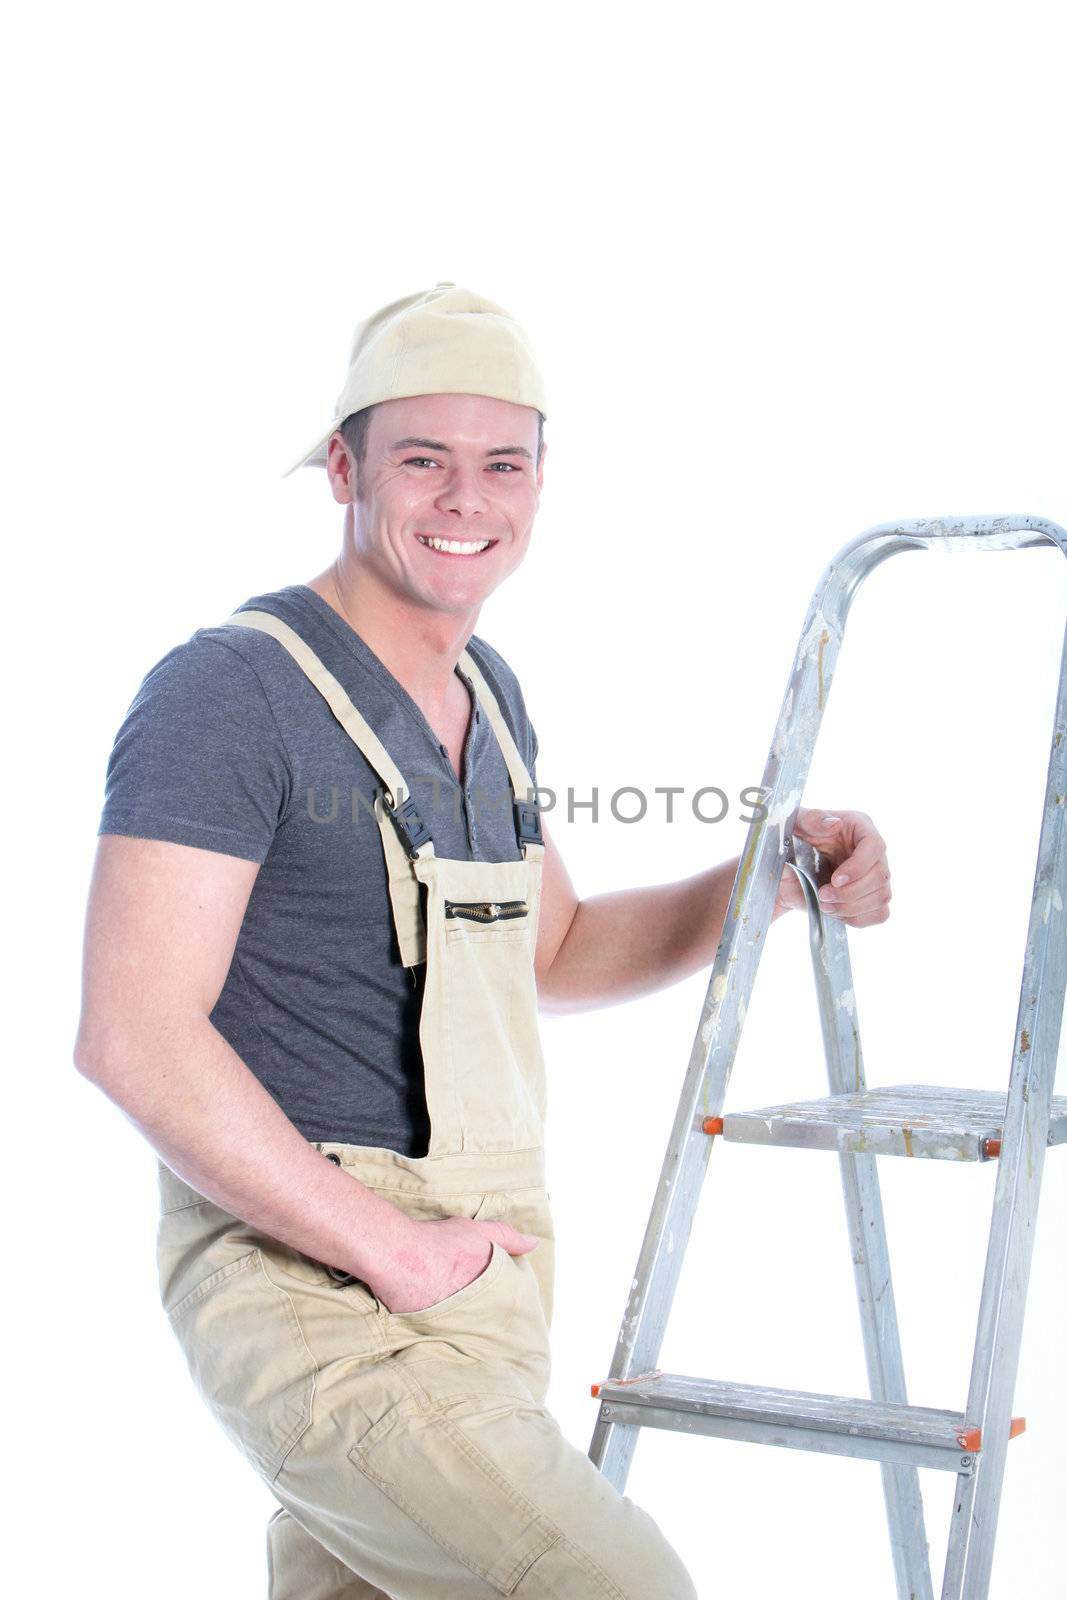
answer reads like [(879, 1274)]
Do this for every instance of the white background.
[(791, 271)]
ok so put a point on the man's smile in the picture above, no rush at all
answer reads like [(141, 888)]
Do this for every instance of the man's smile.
[(454, 547)]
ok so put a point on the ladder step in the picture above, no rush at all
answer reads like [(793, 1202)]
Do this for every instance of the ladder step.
[(796, 1419), (907, 1119)]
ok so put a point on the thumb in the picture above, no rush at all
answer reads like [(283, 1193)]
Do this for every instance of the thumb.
[(514, 1241), (518, 1242), (816, 824)]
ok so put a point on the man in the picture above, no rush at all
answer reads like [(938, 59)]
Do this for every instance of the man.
[(309, 934)]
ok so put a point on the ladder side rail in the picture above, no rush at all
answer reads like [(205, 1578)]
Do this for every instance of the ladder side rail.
[(1018, 1186), (828, 939), (748, 917)]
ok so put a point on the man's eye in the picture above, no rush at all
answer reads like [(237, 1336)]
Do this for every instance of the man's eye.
[(428, 461)]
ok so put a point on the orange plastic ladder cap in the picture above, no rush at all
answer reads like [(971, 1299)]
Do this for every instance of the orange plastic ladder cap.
[(712, 1124)]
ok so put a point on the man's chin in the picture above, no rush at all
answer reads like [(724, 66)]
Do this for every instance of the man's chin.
[(445, 603), (457, 596)]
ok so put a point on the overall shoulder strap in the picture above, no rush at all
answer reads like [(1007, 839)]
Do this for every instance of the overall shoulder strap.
[(398, 812), (527, 816)]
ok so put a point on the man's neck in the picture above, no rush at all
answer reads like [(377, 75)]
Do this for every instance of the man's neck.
[(419, 646)]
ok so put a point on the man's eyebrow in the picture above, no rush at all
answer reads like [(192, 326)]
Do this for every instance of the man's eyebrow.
[(435, 444)]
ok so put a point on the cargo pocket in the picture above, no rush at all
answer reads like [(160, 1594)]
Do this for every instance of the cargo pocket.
[(459, 1297), (248, 1358), (482, 965), (429, 1465), (485, 1206)]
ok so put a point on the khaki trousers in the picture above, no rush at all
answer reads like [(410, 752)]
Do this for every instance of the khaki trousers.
[(411, 1454)]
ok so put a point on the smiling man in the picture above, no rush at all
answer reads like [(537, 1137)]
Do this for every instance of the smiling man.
[(309, 937)]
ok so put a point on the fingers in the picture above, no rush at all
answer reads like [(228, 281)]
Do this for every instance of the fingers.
[(867, 852), (859, 889), (850, 887), (863, 902), (848, 839)]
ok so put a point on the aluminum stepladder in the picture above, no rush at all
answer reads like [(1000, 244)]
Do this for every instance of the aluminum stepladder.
[(861, 1123)]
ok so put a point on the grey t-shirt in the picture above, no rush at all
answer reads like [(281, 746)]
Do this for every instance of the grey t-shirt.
[(229, 747)]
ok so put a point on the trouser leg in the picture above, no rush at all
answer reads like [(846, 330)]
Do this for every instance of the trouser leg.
[(299, 1568), (433, 1468), (462, 1490), (414, 1448)]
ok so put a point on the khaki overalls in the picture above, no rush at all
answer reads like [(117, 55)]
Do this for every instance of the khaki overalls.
[(411, 1452)]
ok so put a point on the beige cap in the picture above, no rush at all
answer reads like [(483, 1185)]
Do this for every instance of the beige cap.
[(444, 340)]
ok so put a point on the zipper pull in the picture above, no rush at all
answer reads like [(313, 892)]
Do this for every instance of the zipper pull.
[(485, 910)]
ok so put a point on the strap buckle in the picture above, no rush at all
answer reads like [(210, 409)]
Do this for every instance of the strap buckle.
[(410, 826), (528, 821)]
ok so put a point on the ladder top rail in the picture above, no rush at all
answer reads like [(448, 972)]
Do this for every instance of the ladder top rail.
[(845, 572)]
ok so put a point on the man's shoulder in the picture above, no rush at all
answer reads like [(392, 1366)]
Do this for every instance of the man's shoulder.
[(219, 682), (199, 757), (222, 652), (253, 645)]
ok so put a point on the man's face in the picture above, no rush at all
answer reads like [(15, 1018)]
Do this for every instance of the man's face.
[(460, 469)]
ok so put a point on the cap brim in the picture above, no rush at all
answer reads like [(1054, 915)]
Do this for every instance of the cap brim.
[(316, 456)]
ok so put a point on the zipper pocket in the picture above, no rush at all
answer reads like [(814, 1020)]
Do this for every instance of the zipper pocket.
[(486, 910)]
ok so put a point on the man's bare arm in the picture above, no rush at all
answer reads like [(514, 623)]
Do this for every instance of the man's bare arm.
[(160, 933), (612, 947)]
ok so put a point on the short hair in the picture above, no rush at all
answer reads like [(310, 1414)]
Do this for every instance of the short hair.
[(354, 432)]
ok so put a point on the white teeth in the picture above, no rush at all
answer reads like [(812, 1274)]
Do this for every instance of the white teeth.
[(455, 547)]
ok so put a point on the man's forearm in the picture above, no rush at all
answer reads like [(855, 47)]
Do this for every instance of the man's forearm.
[(633, 941), (216, 1126)]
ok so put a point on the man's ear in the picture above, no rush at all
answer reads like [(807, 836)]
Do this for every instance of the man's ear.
[(541, 468), (341, 470)]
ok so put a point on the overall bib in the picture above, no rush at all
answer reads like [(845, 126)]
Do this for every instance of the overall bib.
[(411, 1452)]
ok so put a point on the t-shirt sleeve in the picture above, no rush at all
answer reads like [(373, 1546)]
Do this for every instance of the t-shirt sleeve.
[(199, 758)]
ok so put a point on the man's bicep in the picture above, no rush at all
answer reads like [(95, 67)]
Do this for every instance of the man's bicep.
[(161, 926), (559, 902), (199, 758)]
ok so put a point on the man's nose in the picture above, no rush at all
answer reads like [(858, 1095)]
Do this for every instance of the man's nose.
[(462, 493)]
